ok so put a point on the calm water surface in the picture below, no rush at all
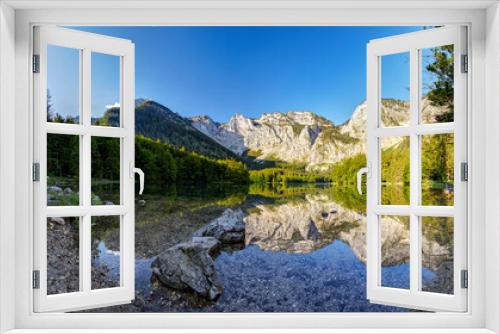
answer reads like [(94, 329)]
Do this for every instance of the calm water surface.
[(304, 250)]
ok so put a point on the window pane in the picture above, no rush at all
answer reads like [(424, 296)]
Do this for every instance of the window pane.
[(395, 170), (63, 170), (437, 169), (437, 84), (395, 90), (395, 251), (105, 171), (63, 255), (105, 90), (105, 252), (63, 84), (437, 254)]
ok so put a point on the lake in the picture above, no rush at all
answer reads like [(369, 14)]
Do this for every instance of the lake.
[(304, 249)]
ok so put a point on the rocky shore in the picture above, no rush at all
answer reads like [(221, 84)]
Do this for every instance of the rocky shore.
[(63, 259), (189, 265)]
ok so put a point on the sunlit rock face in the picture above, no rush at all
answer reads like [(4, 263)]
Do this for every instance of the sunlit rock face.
[(304, 137), (302, 227)]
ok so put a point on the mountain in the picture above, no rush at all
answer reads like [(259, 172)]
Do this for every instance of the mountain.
[(299, 137), (155, 121), (304, 138)]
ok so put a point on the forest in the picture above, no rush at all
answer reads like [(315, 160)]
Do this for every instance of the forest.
[(437, 163), (162, 163), (285, 175)]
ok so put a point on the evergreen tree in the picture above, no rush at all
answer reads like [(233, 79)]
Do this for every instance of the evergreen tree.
[(440, 66)]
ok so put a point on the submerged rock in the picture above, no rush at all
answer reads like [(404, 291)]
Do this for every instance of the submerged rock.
[(228, 228), (188, 266)]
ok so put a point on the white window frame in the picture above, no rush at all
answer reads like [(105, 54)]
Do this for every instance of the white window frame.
[(413, 43), (483, 99), (86, 44)]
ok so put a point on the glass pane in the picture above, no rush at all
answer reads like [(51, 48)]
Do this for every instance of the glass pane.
[(63, 84), (395, 90), (437, 254), (437, 84), (437, 169), (395, 251), (63, 255), (105, 171), (395, 170), (105, 252), (63, 170), (105, 90)]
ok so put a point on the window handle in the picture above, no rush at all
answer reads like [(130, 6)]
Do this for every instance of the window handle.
[(368, 171), (139, 171)]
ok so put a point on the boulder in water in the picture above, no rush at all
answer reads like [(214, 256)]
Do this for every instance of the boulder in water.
[(210, 244), (188, 266)]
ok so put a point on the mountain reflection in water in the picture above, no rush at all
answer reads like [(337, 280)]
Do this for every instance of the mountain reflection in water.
[(305, 250)]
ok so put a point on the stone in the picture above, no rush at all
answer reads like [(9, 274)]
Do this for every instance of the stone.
[(56, 220), (67, 191), (141, 202), (188, 266), (210, 244), (108, 203), (57, 190), (229, 228)]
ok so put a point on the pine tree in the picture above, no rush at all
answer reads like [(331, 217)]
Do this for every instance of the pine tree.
[(440, 66)]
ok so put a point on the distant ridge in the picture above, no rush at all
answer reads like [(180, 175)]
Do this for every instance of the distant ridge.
[(155, 121)]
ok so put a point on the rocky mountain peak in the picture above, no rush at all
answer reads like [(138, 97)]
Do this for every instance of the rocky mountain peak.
[(240, 124), (141, 101), (205, 124), (304, 137), (294, 118)]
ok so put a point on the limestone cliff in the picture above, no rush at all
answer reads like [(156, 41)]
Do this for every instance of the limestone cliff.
[(304, 137)]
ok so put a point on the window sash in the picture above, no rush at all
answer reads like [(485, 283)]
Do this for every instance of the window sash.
[(86, 297), (413, 43)]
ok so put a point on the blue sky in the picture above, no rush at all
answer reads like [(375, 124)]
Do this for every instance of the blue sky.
[(220, 71)]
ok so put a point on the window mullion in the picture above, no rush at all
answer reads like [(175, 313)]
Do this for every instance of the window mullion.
[(414, 170), (86, 173)]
